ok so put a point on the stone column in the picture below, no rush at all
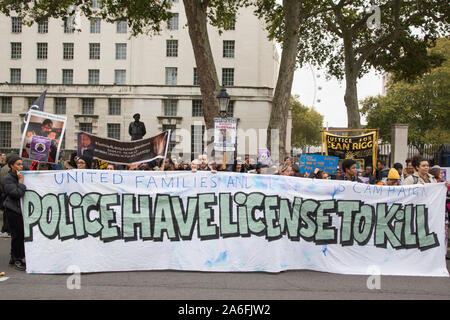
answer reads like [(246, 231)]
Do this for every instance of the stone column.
[(399, 144)]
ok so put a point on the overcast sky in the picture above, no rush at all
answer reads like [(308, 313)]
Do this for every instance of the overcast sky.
[(331, 94)]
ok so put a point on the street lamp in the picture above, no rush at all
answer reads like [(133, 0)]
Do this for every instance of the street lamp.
[(223, 99)]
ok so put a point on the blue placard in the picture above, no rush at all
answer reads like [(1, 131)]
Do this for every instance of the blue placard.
[(309, 162)]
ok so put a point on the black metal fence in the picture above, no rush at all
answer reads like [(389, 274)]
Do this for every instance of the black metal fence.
[(435, 154)]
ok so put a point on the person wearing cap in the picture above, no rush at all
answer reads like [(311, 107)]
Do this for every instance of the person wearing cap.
[(14, 190), (393, 179), (136, 129)]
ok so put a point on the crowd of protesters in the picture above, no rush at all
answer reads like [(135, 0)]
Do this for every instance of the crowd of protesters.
[(416, 171)]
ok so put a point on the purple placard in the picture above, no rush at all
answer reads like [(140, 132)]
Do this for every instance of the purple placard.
[(40, 148)]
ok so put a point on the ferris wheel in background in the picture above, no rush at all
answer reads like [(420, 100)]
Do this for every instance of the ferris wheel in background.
[(316, 87)]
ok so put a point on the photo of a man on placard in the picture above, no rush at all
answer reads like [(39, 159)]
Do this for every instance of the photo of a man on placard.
[(85, 145)]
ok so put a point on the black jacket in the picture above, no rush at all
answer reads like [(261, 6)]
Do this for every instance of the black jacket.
[(13, 191)]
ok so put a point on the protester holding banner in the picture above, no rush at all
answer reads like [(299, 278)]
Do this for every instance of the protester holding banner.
[(84, 162), (72, 162), (14, 190), (421, 174), (350, 171), (393, 179)]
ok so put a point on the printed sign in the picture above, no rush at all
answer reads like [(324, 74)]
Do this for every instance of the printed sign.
[(225, 134), (40, 148), (309, 162), (42, 136), (264, 156), (360, 148), (120, 152), (105, 220)]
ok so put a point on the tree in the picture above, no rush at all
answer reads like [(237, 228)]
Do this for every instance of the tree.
[(423, 104), (306, 125), (283, 23), (351, 38), (146, 17)]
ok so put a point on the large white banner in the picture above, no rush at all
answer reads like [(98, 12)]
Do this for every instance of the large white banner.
[(139, 220)]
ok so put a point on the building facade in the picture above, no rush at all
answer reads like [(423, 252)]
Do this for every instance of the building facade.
[(100, 76)]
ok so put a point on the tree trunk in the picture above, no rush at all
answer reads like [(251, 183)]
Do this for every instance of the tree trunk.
[(206, 69), (282, 94), (351, 91)]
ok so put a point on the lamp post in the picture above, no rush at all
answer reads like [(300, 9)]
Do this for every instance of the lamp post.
[(223, 99)]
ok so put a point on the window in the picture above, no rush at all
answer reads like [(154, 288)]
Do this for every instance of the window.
[(197, 142), (120, 76), (114, 131), (87, 106), (121, 51), (228, 48), (69, 25), (231, 25), (95, 4), (86, 127), (197, 108), (95, 25), (173, 136), (31, 101), (42, 49), (6, 105), (68, 51), (94, 51), (43, 26), (230, 109), (16, 25), (94, 76), (15, 75), (67, 76), (172, 23), (121, 27), (60, 105), (41, 76), (5, 134), (114, 107), (170, 108), (196, 82), (171, 76), (16, 50), (228, 76), (172, 48)]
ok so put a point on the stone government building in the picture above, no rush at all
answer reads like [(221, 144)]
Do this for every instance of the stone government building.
[(99, 77)]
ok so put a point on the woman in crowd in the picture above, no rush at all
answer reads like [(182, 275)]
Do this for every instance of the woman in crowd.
[(421, 174), (14, 190), (72, 162), (84, 162)]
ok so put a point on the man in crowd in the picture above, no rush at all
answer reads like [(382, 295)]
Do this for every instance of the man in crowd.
[(382, 170), (350, 173)]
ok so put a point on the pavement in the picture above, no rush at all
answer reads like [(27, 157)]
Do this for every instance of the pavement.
[(180, 285)]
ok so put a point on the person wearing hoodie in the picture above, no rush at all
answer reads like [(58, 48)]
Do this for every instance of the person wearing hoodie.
[(72, 162), (393, 179), (14, 190)]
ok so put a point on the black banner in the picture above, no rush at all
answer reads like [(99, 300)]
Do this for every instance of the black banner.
[(120, 152)]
